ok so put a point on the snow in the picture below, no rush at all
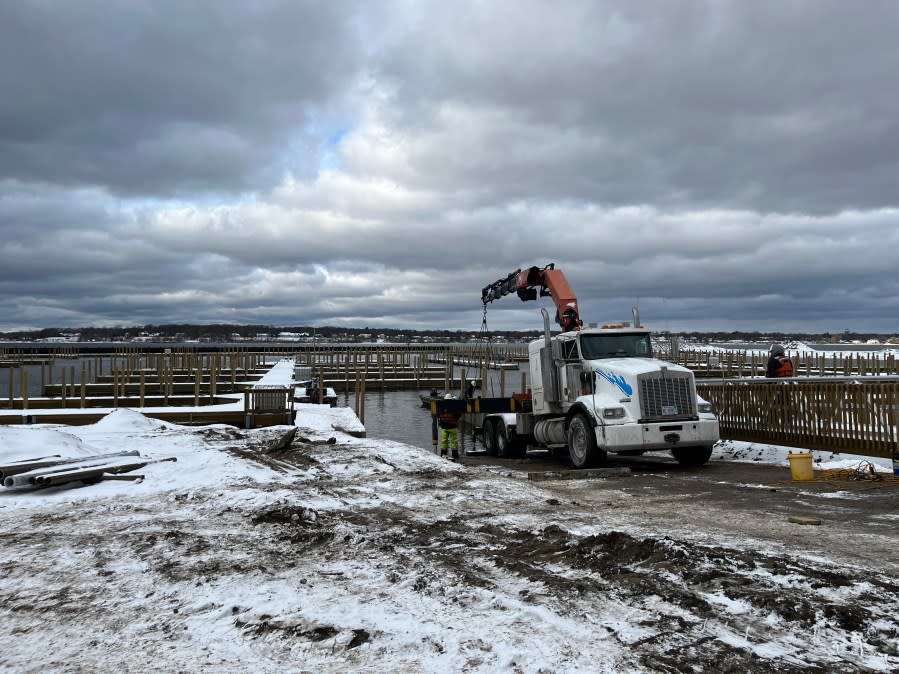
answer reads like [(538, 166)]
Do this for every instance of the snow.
[(793, 348), (354, 554), (754, 452)]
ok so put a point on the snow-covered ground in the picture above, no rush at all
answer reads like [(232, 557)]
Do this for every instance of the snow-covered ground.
[(343, 554), (795, 348)]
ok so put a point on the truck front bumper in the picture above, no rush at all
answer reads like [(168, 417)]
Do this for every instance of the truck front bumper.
[(624, 437)]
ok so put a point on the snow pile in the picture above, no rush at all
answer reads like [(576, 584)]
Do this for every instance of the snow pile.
[(776, 455)]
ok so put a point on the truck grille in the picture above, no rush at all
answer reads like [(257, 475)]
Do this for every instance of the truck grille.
[(667, 396)]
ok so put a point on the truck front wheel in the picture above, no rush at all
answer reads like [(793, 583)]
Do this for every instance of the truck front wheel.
[(692, 456), (582, 444)]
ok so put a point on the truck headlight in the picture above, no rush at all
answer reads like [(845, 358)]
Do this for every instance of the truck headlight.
[(704, 408), (613, 413)]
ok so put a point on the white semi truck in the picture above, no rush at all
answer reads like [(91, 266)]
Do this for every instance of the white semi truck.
[(597, 390)]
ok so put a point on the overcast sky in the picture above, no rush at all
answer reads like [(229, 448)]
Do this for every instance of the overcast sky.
[(721, 165)]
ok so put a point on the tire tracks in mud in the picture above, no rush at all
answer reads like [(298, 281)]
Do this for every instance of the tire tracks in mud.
[(702, 607)]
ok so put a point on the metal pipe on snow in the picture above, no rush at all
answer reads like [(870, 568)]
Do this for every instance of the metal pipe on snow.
[(17, 468), (69, 476), (30, 478), (25, 462), (84, 473)]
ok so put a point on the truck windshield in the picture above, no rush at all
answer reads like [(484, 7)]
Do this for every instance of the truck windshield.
[(616, 346)]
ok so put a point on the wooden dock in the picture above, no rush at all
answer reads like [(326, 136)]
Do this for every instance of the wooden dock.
[(185, 386), (261, 396)]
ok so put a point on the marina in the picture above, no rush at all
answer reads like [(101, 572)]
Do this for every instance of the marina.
[(242, 387), (845, 400)]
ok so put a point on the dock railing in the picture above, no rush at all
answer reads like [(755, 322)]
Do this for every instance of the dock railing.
[(743, 363), (268, 404), (855, 415)]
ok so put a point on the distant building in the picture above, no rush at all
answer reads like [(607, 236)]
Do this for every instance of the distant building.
[(146, 337), (65, 337)]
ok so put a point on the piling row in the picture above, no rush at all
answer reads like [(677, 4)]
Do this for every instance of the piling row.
[(746, 363), (184, 378)]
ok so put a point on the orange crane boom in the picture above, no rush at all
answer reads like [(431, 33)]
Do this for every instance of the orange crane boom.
[(530, 283)]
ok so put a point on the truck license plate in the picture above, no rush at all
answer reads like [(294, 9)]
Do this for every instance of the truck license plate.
[(669, 410)]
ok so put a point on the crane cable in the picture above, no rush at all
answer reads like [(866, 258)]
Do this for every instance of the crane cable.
[(484, 335)]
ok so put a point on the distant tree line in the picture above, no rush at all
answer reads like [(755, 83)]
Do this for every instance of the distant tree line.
[(222, 332)]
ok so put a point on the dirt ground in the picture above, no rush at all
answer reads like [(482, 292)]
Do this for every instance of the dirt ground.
[(859, 519)]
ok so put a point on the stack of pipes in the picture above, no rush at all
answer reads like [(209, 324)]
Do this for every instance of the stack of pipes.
[(54, 470)]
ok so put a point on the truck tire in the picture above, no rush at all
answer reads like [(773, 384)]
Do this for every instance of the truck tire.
[(582, 447), (489, 438), (692, 456), (503, 448)]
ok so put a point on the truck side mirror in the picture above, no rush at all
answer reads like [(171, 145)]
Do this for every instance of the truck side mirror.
[(588, 380)]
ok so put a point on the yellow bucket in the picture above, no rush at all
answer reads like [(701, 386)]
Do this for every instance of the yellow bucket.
[(801, 466)]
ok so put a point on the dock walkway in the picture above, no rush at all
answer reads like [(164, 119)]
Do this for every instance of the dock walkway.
[(266, 401)]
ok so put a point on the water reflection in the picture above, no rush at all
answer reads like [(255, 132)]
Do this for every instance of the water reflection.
[(395, 415), (398, 415)]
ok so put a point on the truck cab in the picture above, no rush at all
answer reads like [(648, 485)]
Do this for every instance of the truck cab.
[(600, 390)]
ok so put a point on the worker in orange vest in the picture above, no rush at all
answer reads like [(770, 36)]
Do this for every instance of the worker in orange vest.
[(448, 422), (779, 364)]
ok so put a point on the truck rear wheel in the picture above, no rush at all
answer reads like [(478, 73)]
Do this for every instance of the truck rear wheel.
[(502, 441), (692, 456), (489, 437), (582, 444)]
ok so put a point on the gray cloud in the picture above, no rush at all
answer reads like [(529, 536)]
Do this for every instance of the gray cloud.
[(722, 165), (149, 98), (738, 104)]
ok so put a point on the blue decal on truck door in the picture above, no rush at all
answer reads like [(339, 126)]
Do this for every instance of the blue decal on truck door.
[(616, 380)]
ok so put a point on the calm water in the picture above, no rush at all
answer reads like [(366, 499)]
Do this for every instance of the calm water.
[(392, 415), (395, 415), (54, 376), (398, 415)]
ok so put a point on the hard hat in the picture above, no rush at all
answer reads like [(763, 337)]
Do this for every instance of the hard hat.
[(448, 396), (776, 350)]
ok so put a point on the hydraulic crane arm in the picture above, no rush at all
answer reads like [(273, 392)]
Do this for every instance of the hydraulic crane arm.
[(549, 282)]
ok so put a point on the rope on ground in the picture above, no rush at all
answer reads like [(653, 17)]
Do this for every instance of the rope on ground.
[(862, 477), (864, 471)]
